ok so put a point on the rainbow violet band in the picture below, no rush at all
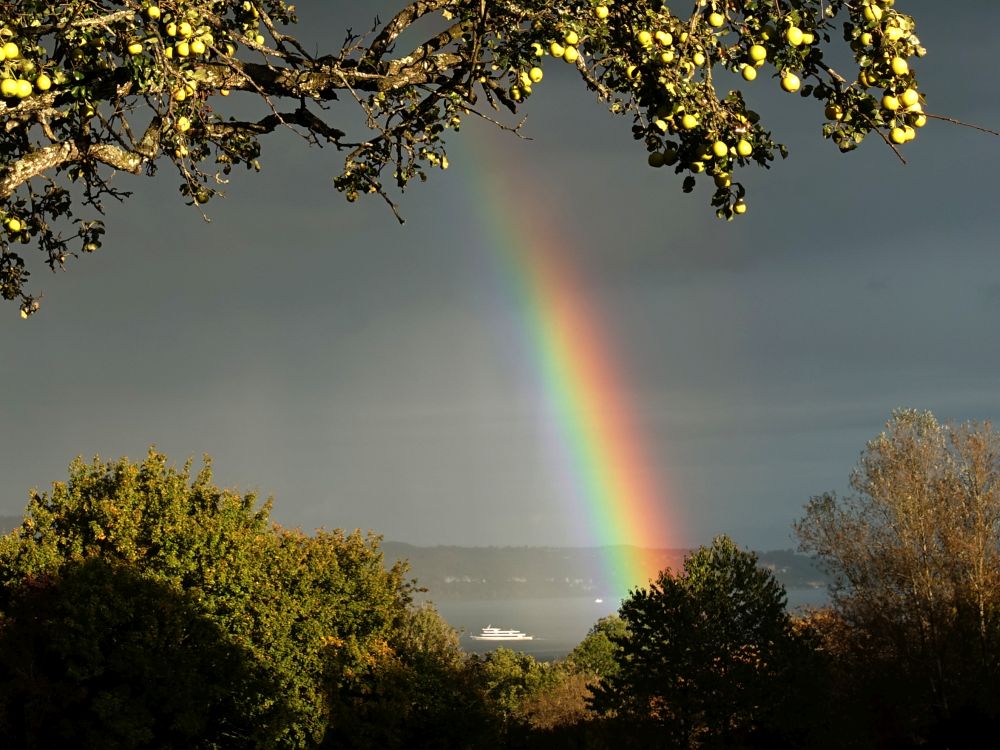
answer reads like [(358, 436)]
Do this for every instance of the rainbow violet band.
[(597, 449)]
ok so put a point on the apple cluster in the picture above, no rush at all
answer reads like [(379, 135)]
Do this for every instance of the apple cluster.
[(185, 31), (665, 68), (663, 63), (885, 94), (22, 67), (181, 33)]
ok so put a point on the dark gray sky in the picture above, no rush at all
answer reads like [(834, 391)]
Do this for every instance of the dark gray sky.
[(358, 371)]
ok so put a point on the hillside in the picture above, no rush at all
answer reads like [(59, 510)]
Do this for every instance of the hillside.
[(451, 572), (513, 572)]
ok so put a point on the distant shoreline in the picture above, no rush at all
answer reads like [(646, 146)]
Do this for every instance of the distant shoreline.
[(457, 573)]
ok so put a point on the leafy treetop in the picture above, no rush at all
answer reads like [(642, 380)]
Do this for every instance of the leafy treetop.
[(311, 616), (88, 87), (707, 657)]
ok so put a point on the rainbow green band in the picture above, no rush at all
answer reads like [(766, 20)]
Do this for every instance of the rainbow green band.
[(596, 446)]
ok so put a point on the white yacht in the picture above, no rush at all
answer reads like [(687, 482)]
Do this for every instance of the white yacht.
[(490, 633)]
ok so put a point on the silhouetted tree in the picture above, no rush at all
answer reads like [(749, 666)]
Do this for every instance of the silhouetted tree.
[(102, 656), (709, 658)]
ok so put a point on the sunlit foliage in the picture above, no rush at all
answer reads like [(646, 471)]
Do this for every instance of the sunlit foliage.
[(88, 87)]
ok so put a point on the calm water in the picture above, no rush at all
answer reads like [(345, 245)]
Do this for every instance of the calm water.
[(557, 625)]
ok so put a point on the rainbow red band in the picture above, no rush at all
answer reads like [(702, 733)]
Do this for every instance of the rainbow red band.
[(597, 448)]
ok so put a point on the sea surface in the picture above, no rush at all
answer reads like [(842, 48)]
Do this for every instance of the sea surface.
[(557, 625)]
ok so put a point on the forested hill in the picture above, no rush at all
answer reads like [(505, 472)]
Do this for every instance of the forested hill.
[(505, 572)]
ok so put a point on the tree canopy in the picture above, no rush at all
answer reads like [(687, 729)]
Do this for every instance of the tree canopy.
[(709, 657), (90, 87), (130, 575)]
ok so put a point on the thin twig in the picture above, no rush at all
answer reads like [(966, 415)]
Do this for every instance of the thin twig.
[(953, 121)]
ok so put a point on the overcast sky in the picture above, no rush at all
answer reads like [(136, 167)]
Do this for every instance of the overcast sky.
[(356, 370)]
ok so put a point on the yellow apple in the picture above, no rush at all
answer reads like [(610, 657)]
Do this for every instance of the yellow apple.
[(894, 33), (790, 82)]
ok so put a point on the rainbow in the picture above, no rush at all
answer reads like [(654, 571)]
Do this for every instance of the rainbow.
[(595, 446)]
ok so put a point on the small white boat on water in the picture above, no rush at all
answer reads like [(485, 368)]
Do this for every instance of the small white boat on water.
[(490, 633)]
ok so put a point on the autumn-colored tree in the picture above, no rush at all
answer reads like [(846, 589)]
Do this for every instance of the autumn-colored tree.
[(88, 87), (420, 693), (125, 562), (915, 554), (509, 678)]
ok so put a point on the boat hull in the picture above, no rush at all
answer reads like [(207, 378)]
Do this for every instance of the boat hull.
[(502, 638)]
